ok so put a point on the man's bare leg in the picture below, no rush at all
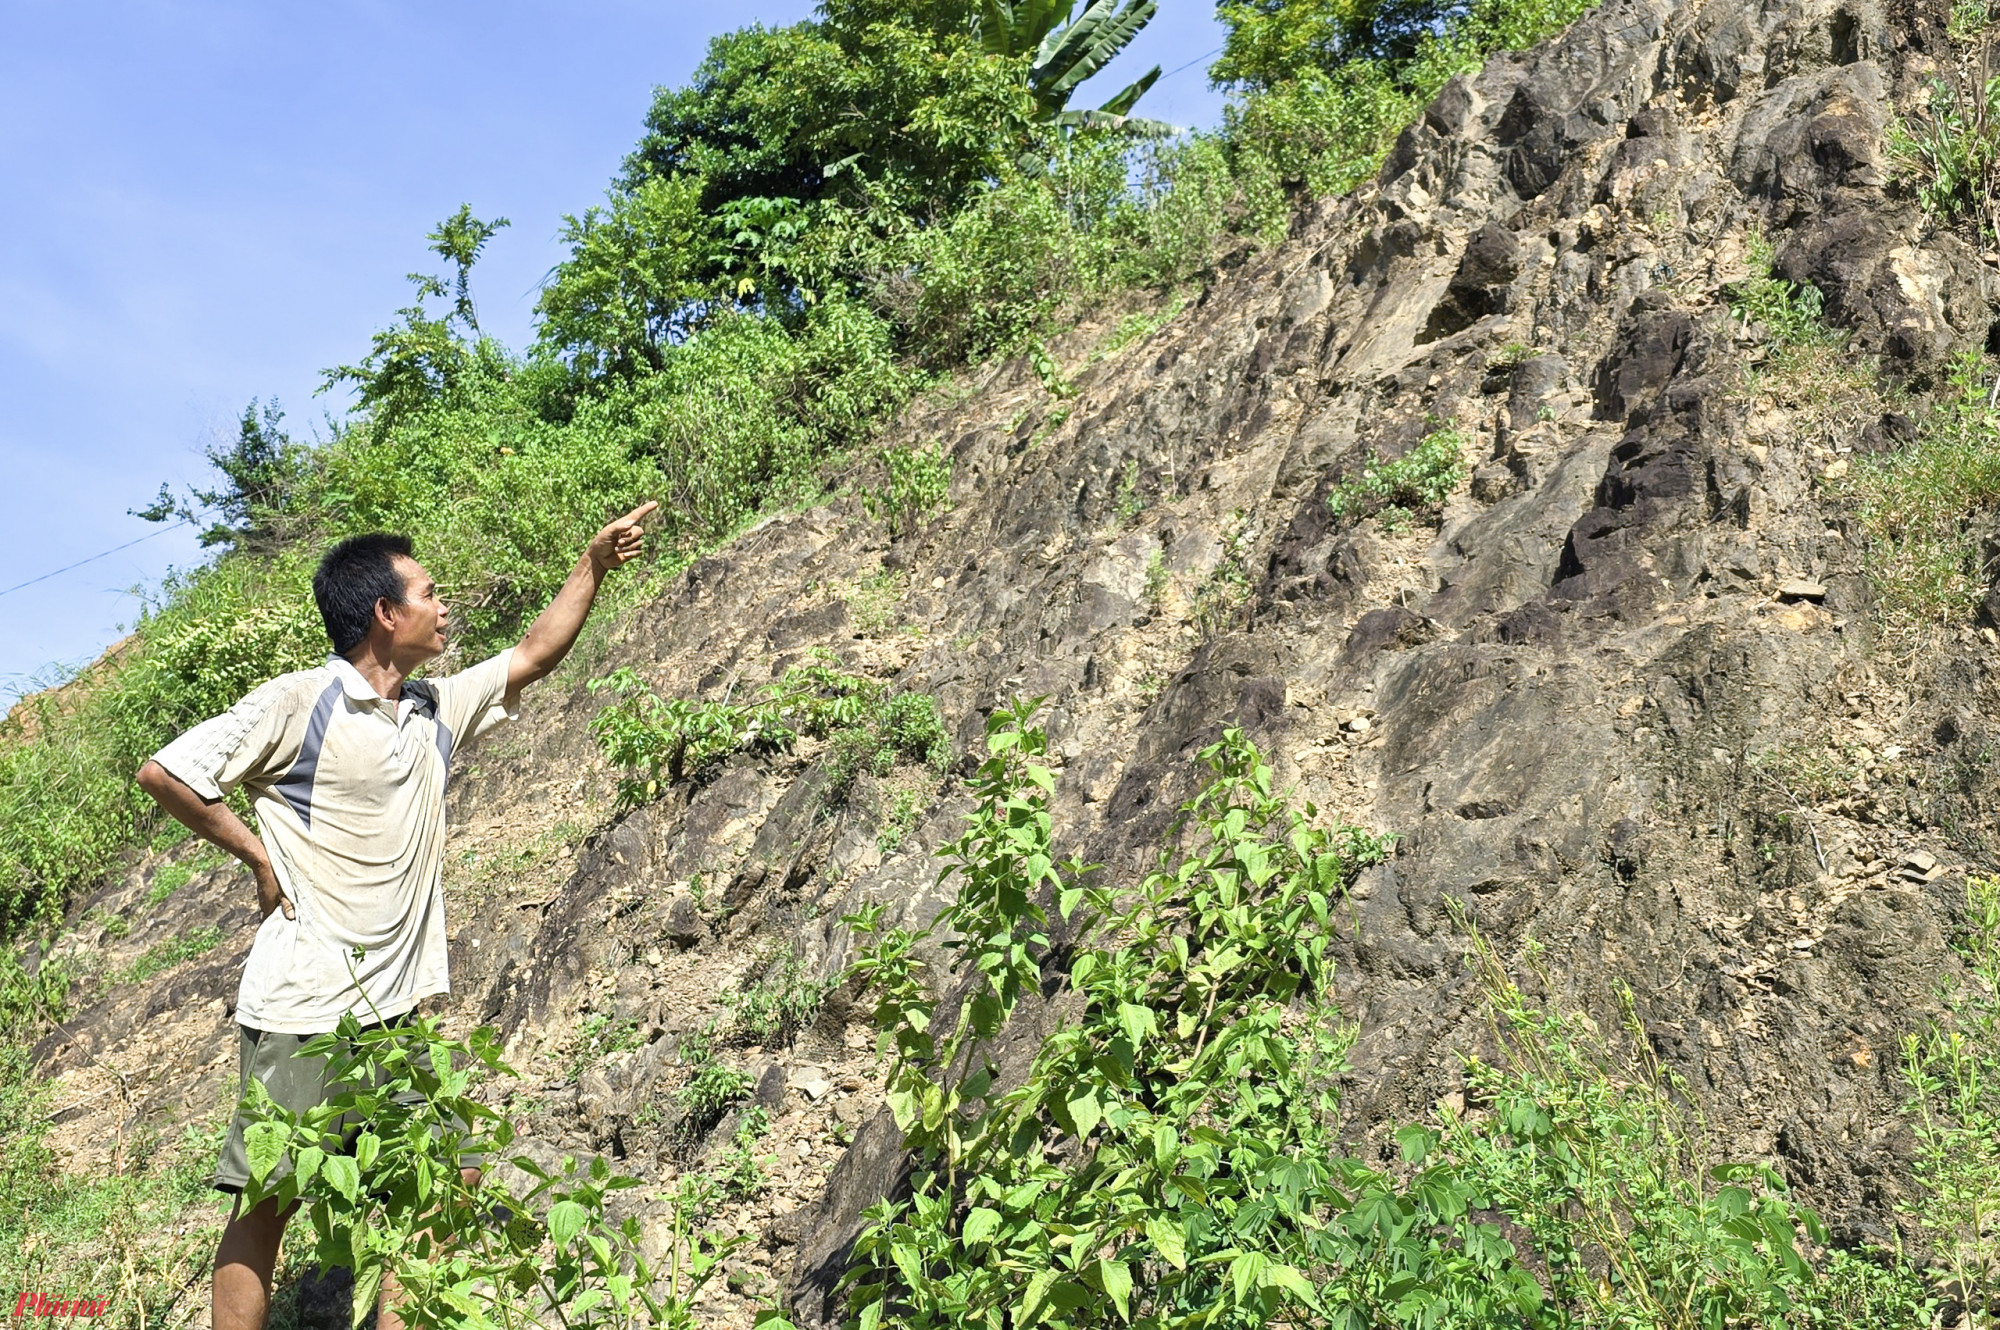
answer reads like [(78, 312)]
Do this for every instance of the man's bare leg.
[(386, 1307), (244, 1261)]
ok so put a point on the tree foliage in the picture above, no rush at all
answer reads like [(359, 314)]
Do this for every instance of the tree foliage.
[(1063, 51)]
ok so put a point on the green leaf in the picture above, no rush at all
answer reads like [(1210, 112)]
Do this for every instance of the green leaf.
[(1115, 1278), (308, 1164), (1291, 1281), (264, 1145), (1244, 1272), (1084, 1113), (342, 1174), (1167, 1240), (566, 1220), (980, 1225), (1034, 1302), (367, 1146)]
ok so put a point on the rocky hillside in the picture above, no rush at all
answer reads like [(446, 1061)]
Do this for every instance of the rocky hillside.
[(1631, 697)]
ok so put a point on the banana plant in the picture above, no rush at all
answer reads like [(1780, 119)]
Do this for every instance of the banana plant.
[(1063, 51)]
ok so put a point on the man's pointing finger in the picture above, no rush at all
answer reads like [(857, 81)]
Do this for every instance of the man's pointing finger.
[(642, 510)]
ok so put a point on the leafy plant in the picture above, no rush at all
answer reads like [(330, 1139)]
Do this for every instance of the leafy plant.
[(1612, 1172), (167, 879), (866, 727), (1154, 591), (1170, 1155), (1969, 20), (30, 1000), (781, 1003), (1063, 51), (143, 1235), (1130, 501), (1950, 149), (1792, 314), (1048, 371), (1416, 483), (916, 484), (165, 955), (904, 812), (740, 1171), (398, 1203), (1126, 1176), (601, 1035), (710, 1088), (1953, 1073)]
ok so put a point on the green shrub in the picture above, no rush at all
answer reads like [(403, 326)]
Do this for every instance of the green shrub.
[(740, 1172), (141, 1238), (1969, 20), (1148, 1168), (1792, 314), (781, 1003), (165, 955), (1611, 1170), (29, 1003), (1417, 482), (1172, 1157), (601, 1035), (711, 1086), (916, 484), (867, 728), (902, 817), (486, 1255), (167, 879)]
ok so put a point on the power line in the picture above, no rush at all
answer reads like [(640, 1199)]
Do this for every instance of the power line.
[(1190, 64), (95, 557)]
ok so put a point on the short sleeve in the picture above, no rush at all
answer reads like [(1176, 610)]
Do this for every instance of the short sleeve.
[(254, 741), (474, 701)]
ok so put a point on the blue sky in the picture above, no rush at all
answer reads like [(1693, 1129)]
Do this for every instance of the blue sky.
[(201, 203)]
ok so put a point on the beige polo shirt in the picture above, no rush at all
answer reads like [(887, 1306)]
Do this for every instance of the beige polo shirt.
[(348, 789)]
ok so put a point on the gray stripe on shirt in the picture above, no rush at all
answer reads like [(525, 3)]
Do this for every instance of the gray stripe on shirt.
[(297, 786)]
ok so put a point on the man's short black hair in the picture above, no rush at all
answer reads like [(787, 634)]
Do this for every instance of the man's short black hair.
[(352, 576)]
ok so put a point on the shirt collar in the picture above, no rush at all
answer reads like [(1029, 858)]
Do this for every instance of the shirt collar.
[(356, 686), (352, 681)]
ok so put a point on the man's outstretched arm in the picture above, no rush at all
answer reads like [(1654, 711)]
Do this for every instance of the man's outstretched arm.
[(554, 630), (212, 820)]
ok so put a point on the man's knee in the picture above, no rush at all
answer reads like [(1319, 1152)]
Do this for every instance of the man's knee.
[(260, 1224)]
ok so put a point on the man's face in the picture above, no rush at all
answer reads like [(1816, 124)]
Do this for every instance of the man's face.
[(418, 625)]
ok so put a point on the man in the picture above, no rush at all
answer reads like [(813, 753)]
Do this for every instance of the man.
[(346, 766)]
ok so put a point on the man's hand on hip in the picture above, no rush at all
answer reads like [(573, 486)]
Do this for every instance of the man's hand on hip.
[(270, 895)]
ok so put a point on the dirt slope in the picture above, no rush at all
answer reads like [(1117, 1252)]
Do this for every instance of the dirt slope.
[(1575, 701)]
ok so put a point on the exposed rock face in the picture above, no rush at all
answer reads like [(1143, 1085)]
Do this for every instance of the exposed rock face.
[(1556, 698)]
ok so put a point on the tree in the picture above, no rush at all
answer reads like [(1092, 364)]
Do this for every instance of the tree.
[(259, 471), (459, 238), (1271, 43), (424, 359), (1063, 52)]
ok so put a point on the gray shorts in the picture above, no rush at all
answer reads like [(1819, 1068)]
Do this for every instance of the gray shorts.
[(295, 1083)]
